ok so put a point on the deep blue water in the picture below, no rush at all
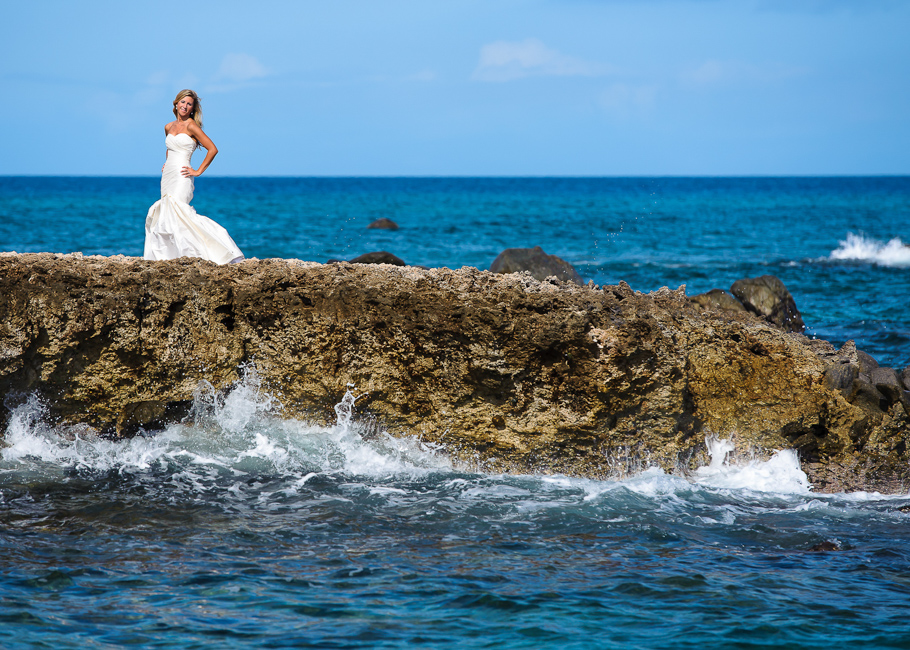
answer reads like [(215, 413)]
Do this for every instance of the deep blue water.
[(248, 530)]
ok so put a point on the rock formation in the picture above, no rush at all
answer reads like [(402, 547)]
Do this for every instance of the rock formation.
[(767, 297), (533, 260), (506, 372), (383, 224), (717, 299), (378, 257)]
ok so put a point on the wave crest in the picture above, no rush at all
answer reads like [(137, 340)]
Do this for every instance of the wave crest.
[(860, 248)]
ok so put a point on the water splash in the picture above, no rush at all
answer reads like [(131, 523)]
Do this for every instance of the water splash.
[(857, 247), (718, 450), (241, 433), (781, 473), (344, 410), (235, 433)]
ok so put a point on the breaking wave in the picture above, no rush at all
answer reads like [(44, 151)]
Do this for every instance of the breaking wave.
[(865, 249), (238, 435)]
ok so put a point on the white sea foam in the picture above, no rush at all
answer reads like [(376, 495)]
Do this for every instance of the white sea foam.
[(781, 473), (235, 433), (865, 249)]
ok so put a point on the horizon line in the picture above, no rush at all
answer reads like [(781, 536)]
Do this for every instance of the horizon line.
[(490, 176)]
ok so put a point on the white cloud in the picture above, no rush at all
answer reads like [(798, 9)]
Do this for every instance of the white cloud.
[(508, 60), (238, 68)]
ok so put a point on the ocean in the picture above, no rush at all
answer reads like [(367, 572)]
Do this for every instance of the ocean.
[(240, 528)]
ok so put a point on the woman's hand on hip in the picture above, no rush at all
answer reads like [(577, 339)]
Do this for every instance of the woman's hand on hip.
[(189, 172)]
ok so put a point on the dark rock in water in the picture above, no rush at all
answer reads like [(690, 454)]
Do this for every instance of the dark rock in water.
[(717, 299), (887, 381), (840, 377), (868, 397), (866, 363), (537, 263), (378, 257), (768, 297), (825, 546), (905, 378), (384, 224)]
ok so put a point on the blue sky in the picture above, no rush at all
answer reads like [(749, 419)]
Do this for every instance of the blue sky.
[(432, 87)]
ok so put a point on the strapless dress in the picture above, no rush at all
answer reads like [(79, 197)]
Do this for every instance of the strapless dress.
[(172, 227)]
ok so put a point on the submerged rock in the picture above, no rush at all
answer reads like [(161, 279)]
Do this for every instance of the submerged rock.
[(507, 373), (767, 297), (384, 224), (533, 260)]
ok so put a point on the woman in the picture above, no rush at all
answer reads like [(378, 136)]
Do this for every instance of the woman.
[(172, 227)]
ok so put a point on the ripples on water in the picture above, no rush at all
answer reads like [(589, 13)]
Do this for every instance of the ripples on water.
[(245, 529)]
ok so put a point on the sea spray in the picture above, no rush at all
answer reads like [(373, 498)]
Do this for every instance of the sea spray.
[(780, 473), (238, 431), (859, 248)]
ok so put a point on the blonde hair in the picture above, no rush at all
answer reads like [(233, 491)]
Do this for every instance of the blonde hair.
[(197, 105)]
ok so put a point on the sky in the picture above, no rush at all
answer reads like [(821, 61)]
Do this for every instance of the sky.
[(462, 88)]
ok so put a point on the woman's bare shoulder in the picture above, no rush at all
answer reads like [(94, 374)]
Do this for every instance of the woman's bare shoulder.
[(169, 126)]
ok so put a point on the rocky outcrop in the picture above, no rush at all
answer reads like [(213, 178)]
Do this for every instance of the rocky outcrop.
[(378, 257), (383, 224), (533, 260), (504, 371), (767, 297)]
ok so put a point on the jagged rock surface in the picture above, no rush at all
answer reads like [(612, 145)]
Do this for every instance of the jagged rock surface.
[(515, 374)]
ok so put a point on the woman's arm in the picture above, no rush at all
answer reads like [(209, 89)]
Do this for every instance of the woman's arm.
[(210, 150)]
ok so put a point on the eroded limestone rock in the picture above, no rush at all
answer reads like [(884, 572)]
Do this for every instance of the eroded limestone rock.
[(519, 375)]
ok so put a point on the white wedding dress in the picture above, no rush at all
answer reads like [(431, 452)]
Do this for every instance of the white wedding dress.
[(172, 227)]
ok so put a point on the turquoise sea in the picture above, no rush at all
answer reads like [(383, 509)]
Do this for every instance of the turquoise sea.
[(243, 529)]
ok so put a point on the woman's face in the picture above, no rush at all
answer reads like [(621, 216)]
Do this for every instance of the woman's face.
[(185, 106)]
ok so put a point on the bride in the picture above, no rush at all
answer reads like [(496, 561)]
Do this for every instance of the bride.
[(172, 227)]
